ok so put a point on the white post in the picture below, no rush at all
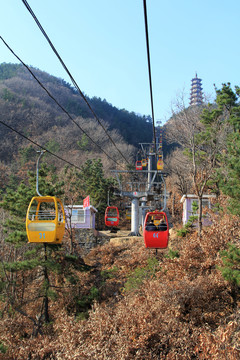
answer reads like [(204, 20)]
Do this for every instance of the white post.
[(135, 217), (143, 212), (150, 163)]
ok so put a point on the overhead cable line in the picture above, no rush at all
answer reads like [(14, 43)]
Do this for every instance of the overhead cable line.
[(149, 72), (42, 147), (70, 75), (61, 107)]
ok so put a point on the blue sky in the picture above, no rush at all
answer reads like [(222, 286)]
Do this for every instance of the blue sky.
[(103, 45)]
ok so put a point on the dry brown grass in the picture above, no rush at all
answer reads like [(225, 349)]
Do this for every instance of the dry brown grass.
[(185, 311)]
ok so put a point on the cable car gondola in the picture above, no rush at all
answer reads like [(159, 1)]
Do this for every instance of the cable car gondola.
[(156, 230), (138, 165), (45, 220), (144, 162), (111, 216), (128, 215), (160, 164)]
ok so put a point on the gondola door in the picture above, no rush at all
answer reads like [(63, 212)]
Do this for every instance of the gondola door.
[(111, 216), (45, 220), (139, 165)]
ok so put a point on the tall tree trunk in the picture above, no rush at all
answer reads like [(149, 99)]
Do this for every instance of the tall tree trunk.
[(46, 281), (199, 216)]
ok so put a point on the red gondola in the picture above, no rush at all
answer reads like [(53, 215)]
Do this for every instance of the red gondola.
[(156, 230), (111, 216), (138, 165)]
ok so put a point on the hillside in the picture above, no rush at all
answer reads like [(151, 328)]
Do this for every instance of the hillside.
[(131, 304), (26, 107), (104, 296)]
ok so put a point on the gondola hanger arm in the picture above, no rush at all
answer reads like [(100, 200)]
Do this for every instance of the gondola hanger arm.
[(37, 169)]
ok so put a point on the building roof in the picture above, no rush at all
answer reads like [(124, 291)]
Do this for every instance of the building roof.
[(81, 207), (192, 196)]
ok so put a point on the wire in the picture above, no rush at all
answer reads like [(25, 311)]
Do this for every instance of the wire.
[(61, 107), (149, 72), (70, 75), (42, 147)]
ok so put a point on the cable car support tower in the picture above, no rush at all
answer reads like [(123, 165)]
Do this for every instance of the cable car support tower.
[(145, 185), (145, 188)]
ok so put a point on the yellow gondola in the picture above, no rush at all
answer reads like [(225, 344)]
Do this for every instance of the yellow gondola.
[(144, 162), (45, 220), (128, 215), (160, 164)]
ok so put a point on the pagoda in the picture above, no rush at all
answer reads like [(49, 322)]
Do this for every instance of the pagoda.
[(196, 97)]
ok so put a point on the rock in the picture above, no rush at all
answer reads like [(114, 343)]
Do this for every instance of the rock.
[(90, 238)]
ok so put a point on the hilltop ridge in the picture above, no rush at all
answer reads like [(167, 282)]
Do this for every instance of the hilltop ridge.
[(27, 107)]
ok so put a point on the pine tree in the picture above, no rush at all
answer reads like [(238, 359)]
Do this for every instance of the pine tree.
[(25, 265), (231, 261), (95, 184), (229, 174), (231, 269)]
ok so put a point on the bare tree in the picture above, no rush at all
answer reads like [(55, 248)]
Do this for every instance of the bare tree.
[(177, 165), (200, 146)]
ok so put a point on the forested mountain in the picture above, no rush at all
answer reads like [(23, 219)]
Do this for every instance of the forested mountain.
[(28, 108), (117, 300)]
